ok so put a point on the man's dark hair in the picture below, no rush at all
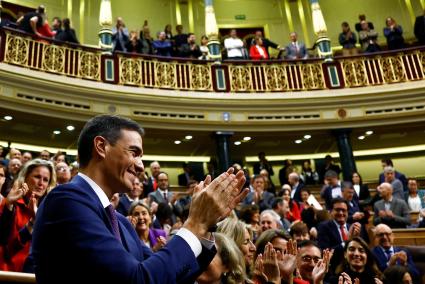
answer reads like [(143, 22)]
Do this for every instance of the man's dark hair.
[(339, 200), (308, 243), (107, 126), (388, 162), (41, 9), (345, 24), (346, 184), (331, 174), (277, 201)]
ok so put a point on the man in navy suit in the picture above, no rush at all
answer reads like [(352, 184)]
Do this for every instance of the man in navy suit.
[(332, 234), (78, 237), (127, 198), (387, 255), (259, 196)]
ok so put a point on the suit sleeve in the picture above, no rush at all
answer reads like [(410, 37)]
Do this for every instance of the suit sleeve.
[(404, 217), (376, 218), (78, 232)]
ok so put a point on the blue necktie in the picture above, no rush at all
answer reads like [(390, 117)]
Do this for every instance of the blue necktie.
[(388, 253), (114, 221)]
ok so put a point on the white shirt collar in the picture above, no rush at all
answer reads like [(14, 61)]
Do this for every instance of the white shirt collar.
[(99, 192)]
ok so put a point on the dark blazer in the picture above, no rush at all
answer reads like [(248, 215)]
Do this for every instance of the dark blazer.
[(297, 194), (183, 179), (328, 237), (364, 196), (326, 194), (420, 29), (381, 260), (397, 175), (159, 198), (123, 205), (73, 240), (399, 208), (67, 36)]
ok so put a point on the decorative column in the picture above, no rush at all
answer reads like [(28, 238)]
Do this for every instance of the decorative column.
[(105, 21), (345, 150), (323, 43), (211, 30), (223, 151)]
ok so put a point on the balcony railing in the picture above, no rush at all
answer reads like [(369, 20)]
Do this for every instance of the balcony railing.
[(198, 75)]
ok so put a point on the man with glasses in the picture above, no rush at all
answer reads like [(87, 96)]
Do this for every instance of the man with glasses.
[(387, 254), (63, 173), (332, 234)]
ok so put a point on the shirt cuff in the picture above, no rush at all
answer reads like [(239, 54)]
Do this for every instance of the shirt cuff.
[(191, 240)]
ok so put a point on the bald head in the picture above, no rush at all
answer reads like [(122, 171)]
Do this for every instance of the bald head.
[(386, 190), (14, 154), (293, 178), (384, 236), (155, 168)]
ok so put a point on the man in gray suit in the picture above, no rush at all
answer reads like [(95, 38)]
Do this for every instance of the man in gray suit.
[(389, 174), (162, 194), (389, 210)]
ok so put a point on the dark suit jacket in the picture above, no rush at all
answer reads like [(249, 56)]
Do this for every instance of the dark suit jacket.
[(265, 202), (159, 198), (420, 29), (381, 260), (73, 242), (123, 205), (401, 213), (398, 176), (328, 237), (148, 187), (183, 180), (297, 194)]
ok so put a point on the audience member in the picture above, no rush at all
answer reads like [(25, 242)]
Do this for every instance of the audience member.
[(134, 45), (281, 207), (284, 172), (269, 183), (250, 214), (398, 175), (358, 25), (26, 157), (394, 34), (354, 212), (308, 175), (266, 42), (235, 50), (63, 173), (391, 211), (190, 49), (396, 275), (146, 40), (109, 151), (299, 232), (152, 182), (19, 214), (397, 185), (180, 38), (259, 196), (32, 20), (168, 30), (293, 213), (205, 53), (296, 185), (162, 46), (332, 188), (257, 50), (419, 28), (186, 176), (269, 220), (388, 255), (15, 154), (140, 217), (162, 194), (263, 164), (295, 49), (130, 197), (328, 165), (362, 190), (368, 38), (359, 263), (45, 155), (120, 36), (56, 26), (413, 199), (348, 40)]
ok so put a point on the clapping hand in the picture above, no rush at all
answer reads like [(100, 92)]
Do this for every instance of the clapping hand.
[(16, 193), (267, 267), (288, 260), (161, 241)]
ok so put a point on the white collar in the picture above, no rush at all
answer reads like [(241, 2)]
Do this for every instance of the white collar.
[(96, 188)]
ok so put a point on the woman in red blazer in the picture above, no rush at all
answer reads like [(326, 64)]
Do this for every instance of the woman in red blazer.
[(257, 50)]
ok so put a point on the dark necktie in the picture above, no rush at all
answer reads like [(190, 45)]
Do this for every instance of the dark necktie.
[(165, 196), (388, 253), (114, 221)]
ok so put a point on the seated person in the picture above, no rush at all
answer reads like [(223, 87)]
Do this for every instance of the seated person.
[(332, 189), (295, 49), (388, 255)]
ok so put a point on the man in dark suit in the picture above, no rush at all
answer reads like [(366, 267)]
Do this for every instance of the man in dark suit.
[(387, 254), (259, 196), (78, 237), (397, 175), (162, 194), (127, 198), (185, 177), (332, 189), (296, 185), (332, 234), (420, 28), (391, 211), (263, 164)]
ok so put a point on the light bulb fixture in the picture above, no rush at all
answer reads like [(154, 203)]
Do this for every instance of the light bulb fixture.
[(8, 117), (237, 143), (70, 128), (56, 132), (188, 137), (177, 142), (246, 138), (307, 136), (369, 132), (299, 141), (361, 137)]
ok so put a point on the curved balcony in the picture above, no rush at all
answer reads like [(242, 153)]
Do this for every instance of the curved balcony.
[(231, 95)]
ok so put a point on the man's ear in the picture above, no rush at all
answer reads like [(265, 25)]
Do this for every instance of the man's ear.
[(99, 146)]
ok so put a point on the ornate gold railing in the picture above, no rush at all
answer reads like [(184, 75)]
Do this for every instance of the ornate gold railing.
[(197, 75)]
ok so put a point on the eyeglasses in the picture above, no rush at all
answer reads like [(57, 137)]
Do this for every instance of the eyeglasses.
[(307, 258), (380, 235), (340, 209)]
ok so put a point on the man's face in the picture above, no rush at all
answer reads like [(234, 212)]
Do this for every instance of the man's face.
[(123, 160), (155, 169), (15, 154), (386, 191), (258, 34), (163, 181), (340, 212), (307, 259), (413, 186), (267, 222), (191, 39), (348, 194), (259, 184), (384, 236), (162, 36), (285, 207), (55, 23), (389, 176), (292, 179), (304, 196), (14, 166), (332, 181), (293, 37), (233, 33), (63, 172), (26, 157), (137, 189), (44, 155)]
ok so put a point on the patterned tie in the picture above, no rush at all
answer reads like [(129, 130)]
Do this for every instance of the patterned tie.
[(343, 234), (110, 210)]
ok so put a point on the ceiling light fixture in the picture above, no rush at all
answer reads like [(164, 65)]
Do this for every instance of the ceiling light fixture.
[(361, 137), (307, 136), (57, 132), (247, 138), (237, 143), (369, 132), (177, 142), (299, 141), (70, 128), (188, 137), (8, 117)]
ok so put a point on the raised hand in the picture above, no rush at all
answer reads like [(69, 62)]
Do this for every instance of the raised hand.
[(270, 264), (288, 260), (16, 193), (161, 241), (213, 201), (355, 230), (319, 272), (32, 205)]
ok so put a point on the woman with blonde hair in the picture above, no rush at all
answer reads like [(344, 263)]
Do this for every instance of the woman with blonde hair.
[(240, 233), (227, 266), (34, 181)]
